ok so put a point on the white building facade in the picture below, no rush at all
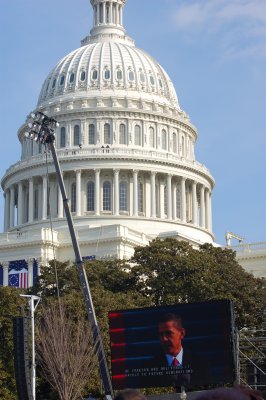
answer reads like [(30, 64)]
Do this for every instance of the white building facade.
[(126, 150)]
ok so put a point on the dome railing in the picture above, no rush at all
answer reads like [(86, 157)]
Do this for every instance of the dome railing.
[(110, 152)]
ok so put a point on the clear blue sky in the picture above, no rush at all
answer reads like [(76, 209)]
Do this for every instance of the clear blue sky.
[(215, 54)]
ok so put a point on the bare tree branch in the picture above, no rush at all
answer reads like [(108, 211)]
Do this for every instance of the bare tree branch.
[(65, 351)]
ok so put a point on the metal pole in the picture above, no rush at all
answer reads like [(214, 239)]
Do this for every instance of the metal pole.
[(42, 129), (32, 307), (84, 281)]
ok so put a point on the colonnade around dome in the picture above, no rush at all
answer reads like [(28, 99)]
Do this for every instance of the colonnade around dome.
[(106, 191)]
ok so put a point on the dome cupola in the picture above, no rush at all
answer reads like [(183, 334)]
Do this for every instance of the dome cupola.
[(107, 17)]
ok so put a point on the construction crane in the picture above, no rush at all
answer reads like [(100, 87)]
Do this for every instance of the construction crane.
[(230, 235)]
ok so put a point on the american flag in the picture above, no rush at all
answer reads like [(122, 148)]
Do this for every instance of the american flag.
[(18, 274)]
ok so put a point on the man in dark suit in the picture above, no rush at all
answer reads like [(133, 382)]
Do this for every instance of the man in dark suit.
[(171, 333)]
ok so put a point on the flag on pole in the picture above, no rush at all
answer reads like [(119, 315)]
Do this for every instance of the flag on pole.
[(18, 274)]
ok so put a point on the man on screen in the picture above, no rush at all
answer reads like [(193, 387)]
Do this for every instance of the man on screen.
[(171, 333)]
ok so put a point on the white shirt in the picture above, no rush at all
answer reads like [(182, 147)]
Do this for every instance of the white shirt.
[(179, 358)]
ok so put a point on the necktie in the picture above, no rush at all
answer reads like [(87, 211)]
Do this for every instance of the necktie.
[(175, 362)]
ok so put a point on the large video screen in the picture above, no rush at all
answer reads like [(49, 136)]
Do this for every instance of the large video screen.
[(187, 345)]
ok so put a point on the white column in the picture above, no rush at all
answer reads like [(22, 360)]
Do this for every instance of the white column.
[(60, 205), (12, 206), (207, 209), (183, 200), (174, 201), (116, 13), (20, 203), (153, 195), (31, 202), (116, 191), (104, 12), (111, 12), (194, 204), (78, 193), (7, 209), (135, 193), (98, 14), (120, 15), (5, 273), (202, 207), (30, 272), (210, 212), (169, 197), (97, 192), (44, 197)]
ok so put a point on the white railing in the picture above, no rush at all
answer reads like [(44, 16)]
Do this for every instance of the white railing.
[(249, 247), (111, 152)]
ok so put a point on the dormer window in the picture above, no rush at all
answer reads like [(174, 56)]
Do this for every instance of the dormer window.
[(82, 76), (152, 81), (119, 75), (160, 83), (107, 74), (94, 75), (142, 77), (131, 76), (62, 80), (54, 82), (71, 78)]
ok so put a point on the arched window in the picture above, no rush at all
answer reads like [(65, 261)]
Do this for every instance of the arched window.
[(91, 134), (36, 203), (131, 76), (174, 143), (152, 136), (107, 74), (165, 199), (123, 196), (183, 147), (106, 196), (119, 75), (54, 82), (73, 197), (94, 75), (82, 76), (164, 141), (178, 202), (76, 135), (72, 77), (107, 134), (140, 197), (137, 135), (152, 81), (122, 134), (63, 137), (142, 77), (62, 80), (90, 196)]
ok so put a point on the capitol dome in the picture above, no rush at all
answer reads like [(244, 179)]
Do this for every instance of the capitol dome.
[(126, 150), (109, 68)]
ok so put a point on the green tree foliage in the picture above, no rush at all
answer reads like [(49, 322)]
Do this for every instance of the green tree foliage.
[(170, 271), (10, 303), (163, 273)]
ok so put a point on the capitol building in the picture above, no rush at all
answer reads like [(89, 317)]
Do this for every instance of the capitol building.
[(126, 150)]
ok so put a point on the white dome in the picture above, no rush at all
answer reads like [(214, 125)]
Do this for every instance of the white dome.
[(108, 67), (108, 64)]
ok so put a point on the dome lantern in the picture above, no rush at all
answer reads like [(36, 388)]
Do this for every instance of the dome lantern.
[(107, 17)]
